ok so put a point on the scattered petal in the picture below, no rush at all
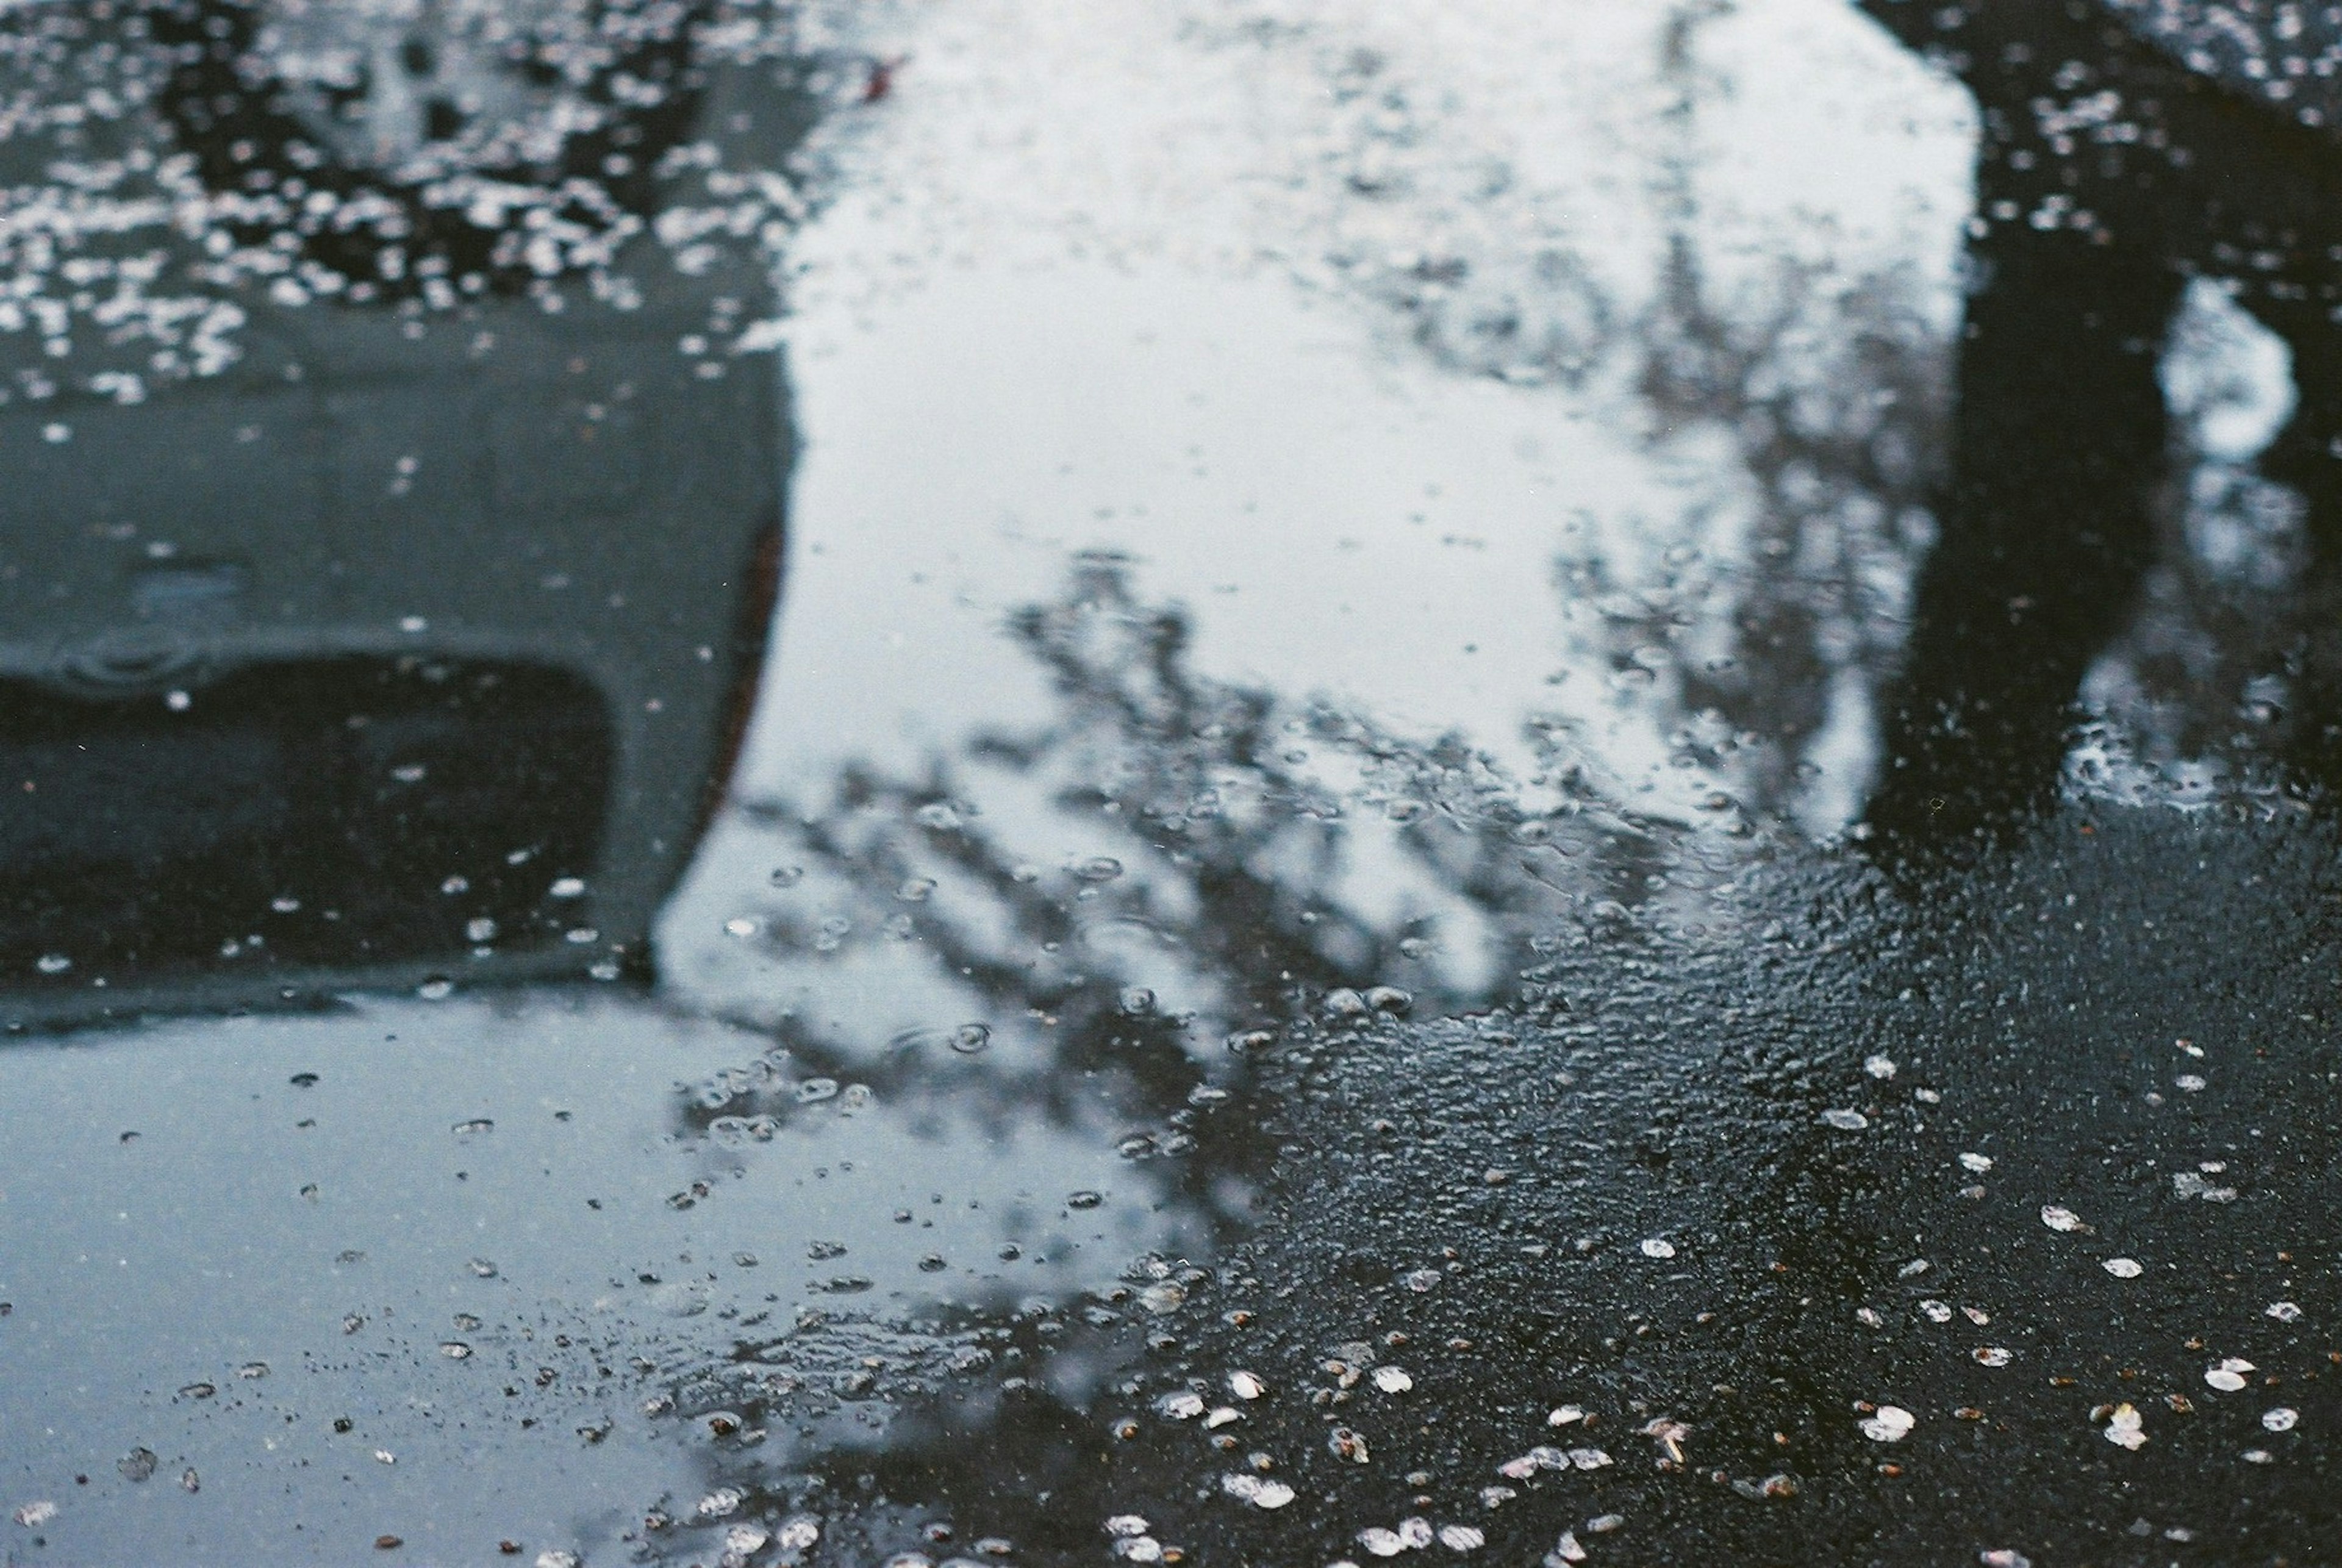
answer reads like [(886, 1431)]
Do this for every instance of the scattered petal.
[(2285, 1311), (1845, 1121), (2281, 1419), (2229, 1375), (1980, 1163), (2059, 1218), (2123, 1268), (1892, 1423), (1657, 1248), (1393, 1379), (1461, 1538), (2125, 1429)]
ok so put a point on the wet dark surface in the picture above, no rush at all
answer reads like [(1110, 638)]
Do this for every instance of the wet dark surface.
[(1238, 784)]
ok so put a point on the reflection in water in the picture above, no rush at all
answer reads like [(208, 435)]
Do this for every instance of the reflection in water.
[(391, 634), (2097, 515), (1156, 1052)]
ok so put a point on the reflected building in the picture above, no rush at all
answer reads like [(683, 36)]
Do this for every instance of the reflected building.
[(390, 536), (2127, 149)]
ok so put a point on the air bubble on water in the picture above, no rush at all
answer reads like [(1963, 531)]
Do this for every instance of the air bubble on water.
[(253, 1369), (53, 963), (1393, 1379), (813, 1090), (1344, 1002), (456, 1350), (2059, 1218), (1658, 1247), (1845, 1121), (385, 1456), (2282, 1419), (197, 1391), (786, 876), (438, 988), (476, 1125), (741, 926), (2285, 1311), (2123, 1268), (1084, 1198), (1978, 1164), (1390, 999), (938, 815), (1881, 1067), (1138, 1001), (1099, 868), (722, 1502), (2229, 1377), (568, 887), (1888, 1424), (137, 1465)]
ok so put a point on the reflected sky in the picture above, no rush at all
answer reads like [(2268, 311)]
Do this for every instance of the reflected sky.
[(1342, 576)]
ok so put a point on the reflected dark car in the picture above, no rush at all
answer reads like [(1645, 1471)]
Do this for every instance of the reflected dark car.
[(399, 651)]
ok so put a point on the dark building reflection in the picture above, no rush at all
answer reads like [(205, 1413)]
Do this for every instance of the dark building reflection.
[(2121, 156), (402, 630)]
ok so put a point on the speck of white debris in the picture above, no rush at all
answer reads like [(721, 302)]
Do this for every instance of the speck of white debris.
[(2004, 1558), (1891, 1424), (33, 1515), (1993, 1356), (2259, 1456), (2285, 1311), (1564, 1415), (1126, 1525), (1656, 1247), (1461, 1538), (722, 1502), (1222, 1416), (1393, 1379), (1167, 1297), (2123, 1268), (1938, 1311), (385, 1456), (1913, 1269), (1845, 1121), (1566, 1549), (2190, 1184), (2281, 1419), (1246, 1386), (2124, 1428), (1183, 1405), (1422, 1280), (1496, 1496), (557, 1559), (2229, 1375), (1927, 1096), (1976, 1316), (1254, 1490), (1879, 1066), (1381, 1542), (2190, 1083), (1603, 1523), (1868, 1317), (2058, 1217), (1980, 1163)]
